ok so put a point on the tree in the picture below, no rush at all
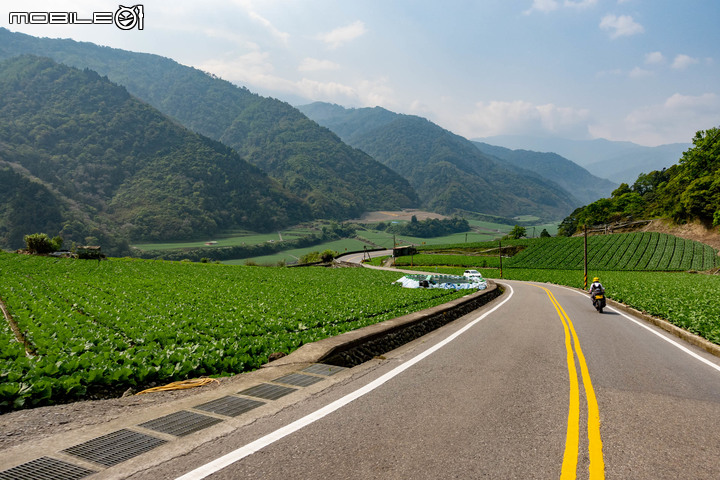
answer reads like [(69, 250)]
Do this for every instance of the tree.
[(621, 190), (40, 243), (517, 232), (545, 233)]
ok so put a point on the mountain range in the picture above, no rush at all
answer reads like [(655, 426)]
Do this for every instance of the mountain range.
[(448, 171), (617, 161), (79, 155), (583, 185), (118, 146), (266, 132)]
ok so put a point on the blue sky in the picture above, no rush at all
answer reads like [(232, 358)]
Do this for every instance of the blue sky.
[(646, 71)]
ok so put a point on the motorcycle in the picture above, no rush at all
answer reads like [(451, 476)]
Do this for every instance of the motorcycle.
[(598, 300)]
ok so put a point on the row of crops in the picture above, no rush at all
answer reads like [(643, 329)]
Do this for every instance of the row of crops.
[(98, 328), (626, 251)]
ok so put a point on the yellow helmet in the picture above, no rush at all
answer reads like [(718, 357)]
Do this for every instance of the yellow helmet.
[(596, 279)]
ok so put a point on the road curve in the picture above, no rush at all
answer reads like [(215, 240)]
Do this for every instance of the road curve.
[(534, 385)]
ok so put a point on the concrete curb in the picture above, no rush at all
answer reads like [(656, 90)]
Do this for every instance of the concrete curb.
[(354, 347), (689, 337)]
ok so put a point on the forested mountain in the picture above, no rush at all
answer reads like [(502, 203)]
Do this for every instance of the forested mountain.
[(583, 185), (616, 161), (79, 155), (448, 172), (687, 191), (337, 181)]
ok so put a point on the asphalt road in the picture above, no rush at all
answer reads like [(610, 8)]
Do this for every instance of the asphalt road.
[(534, 385)]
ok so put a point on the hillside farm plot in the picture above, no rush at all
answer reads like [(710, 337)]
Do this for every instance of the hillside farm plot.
[(98, 328), (626, 251)]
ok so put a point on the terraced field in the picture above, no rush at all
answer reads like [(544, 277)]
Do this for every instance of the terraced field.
[(627, 251)]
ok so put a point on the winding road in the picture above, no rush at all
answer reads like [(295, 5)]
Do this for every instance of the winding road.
[(535, 384)]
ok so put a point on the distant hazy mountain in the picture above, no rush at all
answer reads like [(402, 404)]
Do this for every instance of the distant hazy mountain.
[(616, 161), (449, 172), (81, 157), (584, 186), (336, 180)]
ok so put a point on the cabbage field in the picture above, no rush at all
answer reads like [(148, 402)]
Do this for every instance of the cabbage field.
[(623, 251), (97, 328)]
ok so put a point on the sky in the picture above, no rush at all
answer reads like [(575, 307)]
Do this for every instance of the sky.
[(646, 71)]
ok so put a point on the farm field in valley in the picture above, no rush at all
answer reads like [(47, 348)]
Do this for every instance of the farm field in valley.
[(98, 328)]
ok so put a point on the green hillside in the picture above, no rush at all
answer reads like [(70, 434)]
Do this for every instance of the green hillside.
[(685, 192), (335, 180), (583, 185), (448, 172), (80, 156)]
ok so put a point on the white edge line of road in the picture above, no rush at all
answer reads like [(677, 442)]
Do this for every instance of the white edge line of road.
[(250, 448), (660, 334)]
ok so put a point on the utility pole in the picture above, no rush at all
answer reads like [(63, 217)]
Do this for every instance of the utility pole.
[(500, 253), (585, 258)]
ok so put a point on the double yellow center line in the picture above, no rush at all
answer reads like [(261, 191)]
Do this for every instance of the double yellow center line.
[(572, 440)]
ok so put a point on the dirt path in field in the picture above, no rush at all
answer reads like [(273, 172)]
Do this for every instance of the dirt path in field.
[(29, 350)]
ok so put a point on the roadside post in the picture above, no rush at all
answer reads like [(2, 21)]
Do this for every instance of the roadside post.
[(585, 258), (500, 253)]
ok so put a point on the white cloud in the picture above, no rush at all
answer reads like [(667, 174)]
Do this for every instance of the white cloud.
[(675, 120), (638, 72), (542, 6), (255, 16), (580, 3), (703, 104), (252, 68), (620, 26), (255, 71), (342, 35), (654, 58), (551, 5), (682, 62), (520, 117), (314, 65)]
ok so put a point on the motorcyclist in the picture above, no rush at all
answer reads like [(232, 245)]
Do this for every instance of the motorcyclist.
[(596, 288)]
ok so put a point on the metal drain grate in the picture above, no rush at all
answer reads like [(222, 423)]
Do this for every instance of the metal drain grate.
[(230, 406), (299, 379), (321, 369), (46, 468), (115, 447), (267, 391), (181, 423)]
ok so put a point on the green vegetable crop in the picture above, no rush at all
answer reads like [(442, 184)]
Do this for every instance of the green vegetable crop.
[(98, 328)]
